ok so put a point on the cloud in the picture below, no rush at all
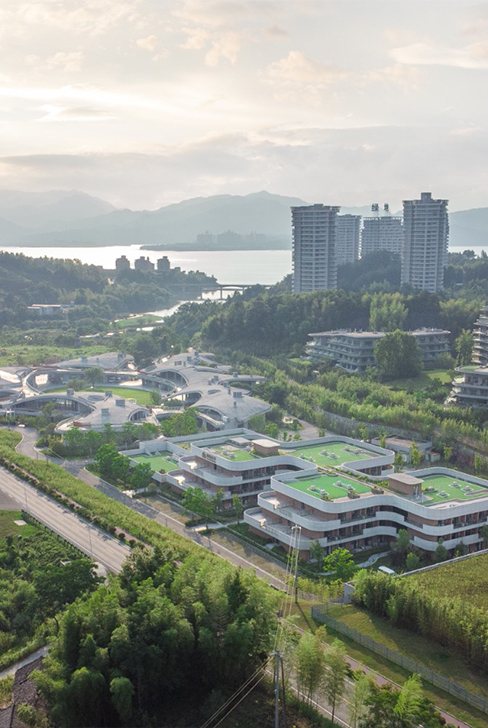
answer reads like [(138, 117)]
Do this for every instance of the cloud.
[(148, 44), (196, 38), (474, 56), (226, 46), (70, 62), (90, 16), (74, 114), (275, 31), (407, 77), (223, 13), (299, 70)]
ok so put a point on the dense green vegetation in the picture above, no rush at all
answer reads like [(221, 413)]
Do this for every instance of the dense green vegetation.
[(160, 645), (447, 618), (39, 575)]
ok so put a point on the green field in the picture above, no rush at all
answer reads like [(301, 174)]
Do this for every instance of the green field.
[(467, 580), (336, 453), (158, 463), (9, 528), (422, 381), (444, 484), (140, 395), (315, 484), (28, 354)]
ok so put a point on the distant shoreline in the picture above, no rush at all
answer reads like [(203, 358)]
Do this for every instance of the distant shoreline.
[(222, 247)]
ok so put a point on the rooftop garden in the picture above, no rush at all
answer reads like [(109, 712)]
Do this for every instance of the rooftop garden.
[(447, 487), (158, 463), (329, 487), (330, 454)]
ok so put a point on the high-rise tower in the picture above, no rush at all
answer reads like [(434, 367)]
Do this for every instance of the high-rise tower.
[(426, 232), (314, 230), (347, 238), (381, 232)]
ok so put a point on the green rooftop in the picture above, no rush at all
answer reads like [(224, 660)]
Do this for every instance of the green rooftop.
[(328, 486), (330, 454), (158, 463), (233, 453), (445, 490)]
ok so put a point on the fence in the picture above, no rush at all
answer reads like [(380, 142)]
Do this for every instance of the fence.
[(477, 701)]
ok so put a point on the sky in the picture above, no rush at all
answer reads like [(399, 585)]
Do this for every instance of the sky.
[(148, 102)]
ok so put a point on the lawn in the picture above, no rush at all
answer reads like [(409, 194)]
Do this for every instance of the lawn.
[(28, 354), (422, 381), (140, 395), (467, 580), (330, 454), (318, 485), (9, 528), (158, 463)]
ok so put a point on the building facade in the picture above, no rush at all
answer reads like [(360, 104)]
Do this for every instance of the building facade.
[(122, 264), (144, 264), (314, 229), (354, 350), (347, 238), (480, 336), (339, 511), (381, 232), (426, 233), (470, 388)]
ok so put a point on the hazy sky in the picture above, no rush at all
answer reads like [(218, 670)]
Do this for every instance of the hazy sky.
[(147, 102)]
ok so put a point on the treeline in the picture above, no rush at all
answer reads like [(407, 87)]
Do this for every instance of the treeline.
[(273, 323), (163, 644), (451, 621)]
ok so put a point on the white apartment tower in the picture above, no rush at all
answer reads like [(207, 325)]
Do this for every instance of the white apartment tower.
[(426, 232), (381, 232), (347, 238), (314, 229)]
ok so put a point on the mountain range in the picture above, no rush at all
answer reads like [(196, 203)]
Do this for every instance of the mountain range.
[(61, 218)]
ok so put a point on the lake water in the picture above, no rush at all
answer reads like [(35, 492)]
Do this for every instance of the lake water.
[(239, 266)]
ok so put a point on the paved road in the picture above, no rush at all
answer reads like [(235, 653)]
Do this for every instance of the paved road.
[(27, 447), (93, 542)]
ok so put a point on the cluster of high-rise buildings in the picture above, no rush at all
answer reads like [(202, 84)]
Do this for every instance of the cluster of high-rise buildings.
[(143, 264), (324, 240)]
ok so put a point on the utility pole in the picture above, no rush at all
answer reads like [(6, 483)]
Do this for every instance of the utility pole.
[(298, 531), (278, 675)]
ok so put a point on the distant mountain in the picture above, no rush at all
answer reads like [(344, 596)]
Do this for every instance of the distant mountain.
[(48, 210), (72, 218)]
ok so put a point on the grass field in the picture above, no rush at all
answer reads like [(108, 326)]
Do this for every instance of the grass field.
[(158, 463), (467, 580), (9, 528), (423, 380), (315, 484), (140, 395), (25, 354), (336, 453), (145, 319)]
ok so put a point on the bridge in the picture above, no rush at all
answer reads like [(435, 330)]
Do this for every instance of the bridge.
[(196, 289)]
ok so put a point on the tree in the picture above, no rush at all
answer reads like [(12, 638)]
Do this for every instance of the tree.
[(409, 701), (415, 456), (309, 664), (382, 440), (387, 312), (237, 506), (484, 535), (412, 561), (155, 397), (196, 501), (461, 549), (447, 452), (217, 500), (357, 699), (317, 553), (440, 554), (141, 476), (478, 463), (401, 547), (464, 347), (93, 375), (398, 462), (122, 691), (397, 356), (335, 677), (341, 563)]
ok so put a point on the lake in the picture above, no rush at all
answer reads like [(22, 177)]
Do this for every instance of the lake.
[(239, 266)]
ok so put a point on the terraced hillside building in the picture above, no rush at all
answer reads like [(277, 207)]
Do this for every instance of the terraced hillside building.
[(354, 350), (480, 336), (337, 510), (314, 229), (243, 462), (470, 388)]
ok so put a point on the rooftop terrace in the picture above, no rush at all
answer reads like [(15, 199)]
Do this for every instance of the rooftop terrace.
[(158, 463), (449, 488), (328, 486), (330, 454)]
